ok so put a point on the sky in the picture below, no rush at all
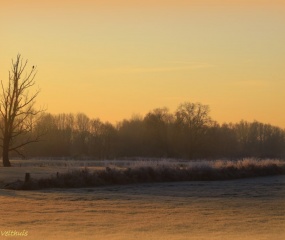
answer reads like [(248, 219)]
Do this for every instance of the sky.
[(115, 59)]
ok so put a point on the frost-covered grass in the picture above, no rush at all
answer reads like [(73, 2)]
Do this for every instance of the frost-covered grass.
[(140, 162), (244, 209), (144, 171)]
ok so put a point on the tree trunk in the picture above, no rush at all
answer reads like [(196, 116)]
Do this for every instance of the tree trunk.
[(5, 154)]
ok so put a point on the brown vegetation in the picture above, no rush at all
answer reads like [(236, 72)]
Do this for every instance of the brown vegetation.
[(220, 170)]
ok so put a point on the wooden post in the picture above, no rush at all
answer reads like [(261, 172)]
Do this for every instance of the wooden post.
[(27, 177)]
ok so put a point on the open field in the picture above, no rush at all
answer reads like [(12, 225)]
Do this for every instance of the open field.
[(236, 209), (246, 209)]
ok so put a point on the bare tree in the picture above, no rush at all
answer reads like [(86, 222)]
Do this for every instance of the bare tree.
[(17, 110), (192, 122)]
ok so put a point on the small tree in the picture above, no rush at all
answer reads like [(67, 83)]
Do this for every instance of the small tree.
[(17, 110)]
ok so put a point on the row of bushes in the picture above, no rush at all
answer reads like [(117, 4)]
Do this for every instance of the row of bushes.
[(115, 176)]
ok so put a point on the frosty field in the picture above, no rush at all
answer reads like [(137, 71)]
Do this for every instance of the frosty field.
[(234, 209)]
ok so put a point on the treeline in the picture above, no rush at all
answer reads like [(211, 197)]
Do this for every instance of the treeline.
[(189, 132)]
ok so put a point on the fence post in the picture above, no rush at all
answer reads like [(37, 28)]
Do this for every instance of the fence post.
[(27, 177)]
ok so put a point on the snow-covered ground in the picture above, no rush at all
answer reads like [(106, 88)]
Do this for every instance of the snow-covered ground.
[(236, 209)]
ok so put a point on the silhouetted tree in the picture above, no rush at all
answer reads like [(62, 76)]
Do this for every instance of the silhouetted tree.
[(192, 120), (259, 140), (17, 110), (81, 134), (130, 136), (157, 123)]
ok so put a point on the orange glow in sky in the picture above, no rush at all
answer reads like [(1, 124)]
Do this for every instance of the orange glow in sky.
[(112, 59)]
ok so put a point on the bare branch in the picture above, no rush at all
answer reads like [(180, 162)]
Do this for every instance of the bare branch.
[(37, 139), (19, 153)]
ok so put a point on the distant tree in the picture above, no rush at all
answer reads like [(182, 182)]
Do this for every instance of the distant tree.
[(259, 140), (81, 135), (220, 142), (130, 136), (192, 122), (17, 110), (156, 132)]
